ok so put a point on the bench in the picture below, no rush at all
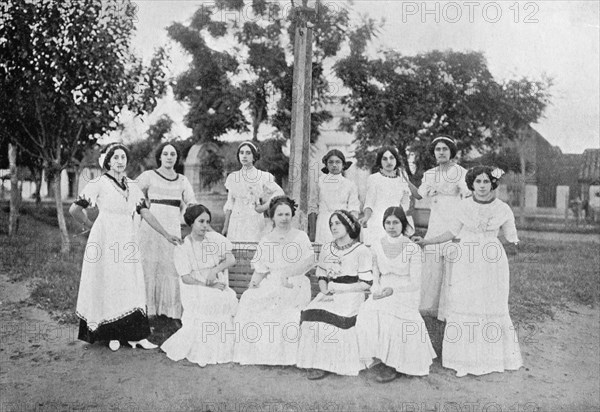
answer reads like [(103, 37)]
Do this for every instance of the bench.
[(241, 272)]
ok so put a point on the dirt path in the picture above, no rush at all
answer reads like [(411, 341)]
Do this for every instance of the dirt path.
[(44, 368)]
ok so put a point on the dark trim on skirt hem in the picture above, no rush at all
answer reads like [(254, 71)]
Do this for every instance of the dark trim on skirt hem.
[(132, 327), (320, 315)]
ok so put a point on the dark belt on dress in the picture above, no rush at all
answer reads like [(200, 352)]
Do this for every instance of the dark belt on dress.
[(168, 202)]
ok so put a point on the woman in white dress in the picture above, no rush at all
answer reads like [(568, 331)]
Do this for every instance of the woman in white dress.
[(167, 193), (334, 192), (479, 336), (328, 341), (388, 187), (111, 303), (389, 327), (268, 315), (209, 304), (249, 192), (444, 186)]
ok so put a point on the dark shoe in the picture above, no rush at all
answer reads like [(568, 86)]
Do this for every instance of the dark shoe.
[(316, 374), (386, 374)]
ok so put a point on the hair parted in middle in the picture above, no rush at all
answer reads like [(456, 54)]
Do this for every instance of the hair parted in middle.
[(193, 211), (349, 221)]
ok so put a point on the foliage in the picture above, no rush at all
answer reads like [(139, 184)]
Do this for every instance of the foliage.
[(406, 101), (66, 72)]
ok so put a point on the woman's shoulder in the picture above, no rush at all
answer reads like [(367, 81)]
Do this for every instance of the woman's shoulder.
[(214, 236)]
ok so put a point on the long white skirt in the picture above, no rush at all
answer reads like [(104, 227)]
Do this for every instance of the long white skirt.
[(208, 332), (268, 322)]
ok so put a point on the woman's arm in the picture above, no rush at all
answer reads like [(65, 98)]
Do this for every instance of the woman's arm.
[(256, 279), (79, 215), (444, 237), (155, 224)]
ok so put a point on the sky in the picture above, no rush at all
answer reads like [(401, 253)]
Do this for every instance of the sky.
[(559, 39)]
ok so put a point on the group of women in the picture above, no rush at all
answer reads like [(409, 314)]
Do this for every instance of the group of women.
[(375, 277)]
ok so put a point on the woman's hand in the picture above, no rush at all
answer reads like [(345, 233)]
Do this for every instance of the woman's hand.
[(174, 240), (219, 285), (224, 231), (252, 285), (285, 282), (384, 293), (363, 221)]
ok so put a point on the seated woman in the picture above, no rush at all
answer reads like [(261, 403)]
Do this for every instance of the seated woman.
[(268, 318), (209, 305), (389, 326), (328, 341)]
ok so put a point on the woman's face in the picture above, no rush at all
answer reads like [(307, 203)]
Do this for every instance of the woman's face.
[(201, 225), (118, 161), (393, 226), (282, 217), (388, 162), (245, 155), (335, 165), (442, 153), (482, 185), (168, 156), (338, 230)]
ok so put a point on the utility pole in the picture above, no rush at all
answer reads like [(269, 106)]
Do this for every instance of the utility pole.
[(301, 103)]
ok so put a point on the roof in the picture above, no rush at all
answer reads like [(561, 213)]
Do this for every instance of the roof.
[(589, 171)]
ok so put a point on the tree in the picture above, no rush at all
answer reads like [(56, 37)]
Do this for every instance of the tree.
[(142, 151), (255, 73), (406, 101), (66, 72)]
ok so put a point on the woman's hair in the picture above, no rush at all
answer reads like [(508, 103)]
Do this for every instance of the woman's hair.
[(253, 149), (349, 221), (447, 141), (159, 150), (193, 211), (380, 154), (282, 200), (109, 151), (336, 153), (473, 172), (397, 211)]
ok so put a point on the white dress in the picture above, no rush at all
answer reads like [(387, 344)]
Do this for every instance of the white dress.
[(328, 340), (383, 192), (268, 317), (391, 329), (111, 303), (479, 336), (445, 189), (246, 188), (207, 333), (334, 192), (167, 197)]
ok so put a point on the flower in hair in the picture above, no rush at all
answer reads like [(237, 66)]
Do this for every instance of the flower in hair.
[(497, 173)]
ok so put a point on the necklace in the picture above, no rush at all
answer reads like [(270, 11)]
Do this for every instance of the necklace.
[(389, 177), (348, 246)]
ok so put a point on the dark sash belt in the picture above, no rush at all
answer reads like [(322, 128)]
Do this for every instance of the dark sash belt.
[(168, 202), (320, 315)]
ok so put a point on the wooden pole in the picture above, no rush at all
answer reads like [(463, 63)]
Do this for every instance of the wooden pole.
[(300, 133)]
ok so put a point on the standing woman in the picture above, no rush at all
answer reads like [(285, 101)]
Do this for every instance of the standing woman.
[(167, 192), (389, 326), (268, 316), (387, 187), (444, 186), (209, 304), (328, 340), (249, 192), (334, 192), (111, 304), (479, 337)]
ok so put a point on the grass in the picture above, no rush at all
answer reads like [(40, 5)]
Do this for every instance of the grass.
[(545, 275)]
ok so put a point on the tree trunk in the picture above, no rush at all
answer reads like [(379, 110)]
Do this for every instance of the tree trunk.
[(38, 187), (60, 214), (13, 217), (522, 179)]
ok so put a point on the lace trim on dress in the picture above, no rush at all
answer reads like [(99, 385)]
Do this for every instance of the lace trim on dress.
[(111, 320)]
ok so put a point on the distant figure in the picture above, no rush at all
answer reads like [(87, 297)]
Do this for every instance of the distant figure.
[(249, 193)]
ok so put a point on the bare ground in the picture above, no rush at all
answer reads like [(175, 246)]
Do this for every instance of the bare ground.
[(45, 368)]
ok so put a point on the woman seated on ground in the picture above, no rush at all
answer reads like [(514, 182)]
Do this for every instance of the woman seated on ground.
[(328, 341), (479, 337), (391, 332), (209, 305), (268, 318)]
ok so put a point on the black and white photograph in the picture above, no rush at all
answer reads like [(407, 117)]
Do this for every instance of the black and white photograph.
[(299, 205)]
